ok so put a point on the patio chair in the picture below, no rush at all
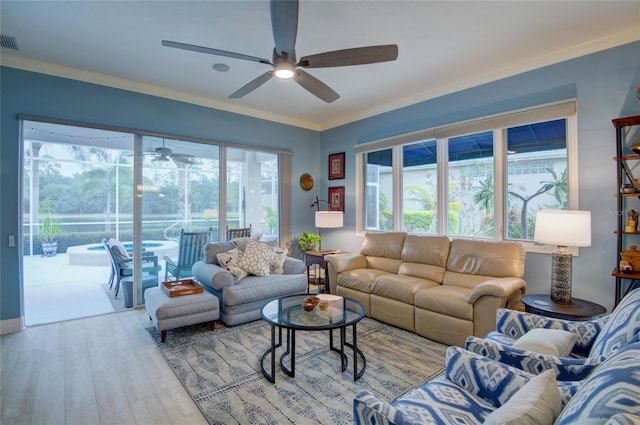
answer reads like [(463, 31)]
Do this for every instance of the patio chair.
[(244, 232), (122, 263), (190, 250)]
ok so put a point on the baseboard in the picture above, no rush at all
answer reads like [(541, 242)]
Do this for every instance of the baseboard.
[(11, 325)]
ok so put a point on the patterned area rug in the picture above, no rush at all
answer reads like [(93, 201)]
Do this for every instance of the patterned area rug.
[(221, 372)]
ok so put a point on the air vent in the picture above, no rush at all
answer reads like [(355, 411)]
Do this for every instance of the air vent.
[(8, 42)]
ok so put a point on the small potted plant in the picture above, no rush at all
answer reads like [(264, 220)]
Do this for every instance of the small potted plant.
[(49, 229), (308, 242)]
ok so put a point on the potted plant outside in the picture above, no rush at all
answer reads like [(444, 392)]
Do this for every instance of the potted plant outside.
[(308, 242), (49, 229)]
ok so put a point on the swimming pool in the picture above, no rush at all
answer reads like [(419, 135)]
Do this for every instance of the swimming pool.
[(94, 254)]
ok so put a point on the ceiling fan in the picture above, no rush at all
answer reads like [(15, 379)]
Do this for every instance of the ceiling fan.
[(284, 23), (163, 154)]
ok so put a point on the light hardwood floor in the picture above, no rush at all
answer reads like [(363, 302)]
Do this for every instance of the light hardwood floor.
[(98, 370)]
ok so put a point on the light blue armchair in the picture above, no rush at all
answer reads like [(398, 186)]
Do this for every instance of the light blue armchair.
[(597, 339)]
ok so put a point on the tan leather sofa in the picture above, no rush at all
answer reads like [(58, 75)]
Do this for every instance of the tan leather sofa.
[(442, 289)]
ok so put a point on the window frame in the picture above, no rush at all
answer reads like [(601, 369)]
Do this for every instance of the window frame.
[(499, 124)]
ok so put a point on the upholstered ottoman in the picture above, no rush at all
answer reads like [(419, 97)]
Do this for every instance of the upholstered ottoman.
[(170, 313)]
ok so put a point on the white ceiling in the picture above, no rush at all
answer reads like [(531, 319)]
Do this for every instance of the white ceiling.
[(444, 46)]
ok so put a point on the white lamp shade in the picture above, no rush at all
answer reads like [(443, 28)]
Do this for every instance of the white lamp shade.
[(328, 219), (563, 227)]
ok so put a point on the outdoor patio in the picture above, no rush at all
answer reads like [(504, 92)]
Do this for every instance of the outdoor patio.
[(55, 291)]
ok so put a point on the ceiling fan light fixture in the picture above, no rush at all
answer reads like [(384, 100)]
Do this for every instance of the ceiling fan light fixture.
[(285, 71)]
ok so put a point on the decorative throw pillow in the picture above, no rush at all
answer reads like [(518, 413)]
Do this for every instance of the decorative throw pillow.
[(555, 342), (121, 254), (257, 258), (229, 260), (241, 243), (538, 402), (277, 265)]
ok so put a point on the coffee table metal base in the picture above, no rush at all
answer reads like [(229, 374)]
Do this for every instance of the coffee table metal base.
[(291, 351)]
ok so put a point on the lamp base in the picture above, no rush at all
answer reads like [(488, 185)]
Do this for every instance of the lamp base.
[(561, 277)]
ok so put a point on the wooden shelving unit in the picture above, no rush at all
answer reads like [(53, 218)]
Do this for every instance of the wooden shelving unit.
[(625, 202)]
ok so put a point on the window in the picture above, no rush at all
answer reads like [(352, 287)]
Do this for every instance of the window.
[(485, 178)]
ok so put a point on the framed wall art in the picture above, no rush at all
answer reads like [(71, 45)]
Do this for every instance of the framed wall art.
[(336, 166), (336, 198)]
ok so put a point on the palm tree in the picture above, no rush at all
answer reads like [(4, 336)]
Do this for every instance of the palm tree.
[(484, 196)]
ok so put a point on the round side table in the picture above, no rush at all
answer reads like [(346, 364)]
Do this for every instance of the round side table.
[(578, 310)]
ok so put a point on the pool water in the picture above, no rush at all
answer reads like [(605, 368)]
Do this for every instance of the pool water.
[(127, 245)]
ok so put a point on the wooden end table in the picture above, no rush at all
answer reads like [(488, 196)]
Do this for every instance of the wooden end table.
[(317, 257), (578, 310)]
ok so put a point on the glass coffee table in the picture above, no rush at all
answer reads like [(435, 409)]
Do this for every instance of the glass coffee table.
[(288, 313)]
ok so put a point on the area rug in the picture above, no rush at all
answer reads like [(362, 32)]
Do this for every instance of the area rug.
[(117, 303), (221, 371)]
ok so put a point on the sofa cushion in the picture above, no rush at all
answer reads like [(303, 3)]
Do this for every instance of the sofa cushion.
[(385, 244), (447, 300), (257, 288), (486, 258), (425, 271), (211, 251), (360, 279), (400, 288), (538, 402), (432, 250)]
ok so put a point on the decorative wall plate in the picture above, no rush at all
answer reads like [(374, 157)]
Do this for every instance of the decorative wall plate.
[(306, 181)]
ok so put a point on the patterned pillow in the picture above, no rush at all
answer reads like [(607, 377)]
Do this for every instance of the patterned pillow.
[(229, 260), (257, 258), (277, 265), (118, 254)]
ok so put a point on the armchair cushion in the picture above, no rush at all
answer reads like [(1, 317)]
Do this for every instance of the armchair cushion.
[(622, 327), (538, 402), (555, 342)]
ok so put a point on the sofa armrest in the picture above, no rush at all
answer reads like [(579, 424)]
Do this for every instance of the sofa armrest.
[(566, 368), (293, 266), (211, 275), (344, 262), (492, 380), (370, 409), (516, 323), (501, 288)]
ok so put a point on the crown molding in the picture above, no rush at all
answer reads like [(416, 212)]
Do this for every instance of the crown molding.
[(529, 64), (33, 65)]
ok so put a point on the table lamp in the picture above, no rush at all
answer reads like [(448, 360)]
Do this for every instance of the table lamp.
[(563, 228)]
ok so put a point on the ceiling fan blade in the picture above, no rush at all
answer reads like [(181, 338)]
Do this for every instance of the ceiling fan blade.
[(284, 24), (181, 155), (315, 86), (347, 57), (181, 159), (211, 51), (252, 85)]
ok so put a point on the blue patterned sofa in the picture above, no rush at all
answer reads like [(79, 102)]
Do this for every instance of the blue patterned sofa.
[(597, 339), (476, 390)]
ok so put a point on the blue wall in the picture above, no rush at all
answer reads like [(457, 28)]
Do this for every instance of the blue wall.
[(603, 83), (48, 96)]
